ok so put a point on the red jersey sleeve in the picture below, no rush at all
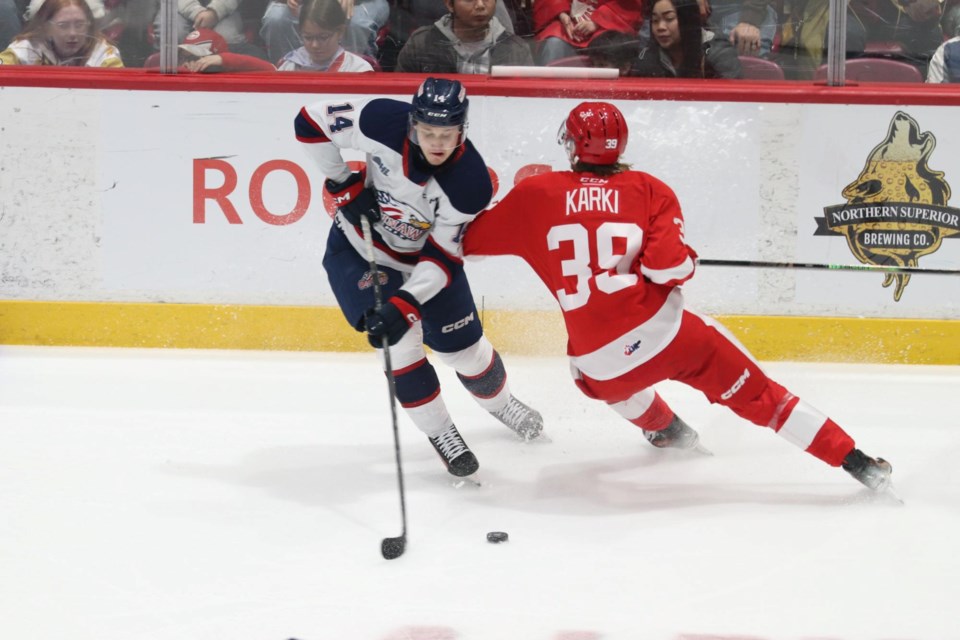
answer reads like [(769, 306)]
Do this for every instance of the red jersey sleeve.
[(495, 231), (665, 257)]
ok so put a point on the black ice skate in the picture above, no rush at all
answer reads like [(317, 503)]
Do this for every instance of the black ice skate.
[(677, 435), (524, 421), (873, 472), (454, 452)]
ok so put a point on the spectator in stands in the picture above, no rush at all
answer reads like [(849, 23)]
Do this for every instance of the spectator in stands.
[(914, 25), (945, 65), (803, 42), (62, 33), (564, 28), (280, 26), (750, 25), (206, 51), (950, 22), (615, 50), (9, 22), (409, 15), (322, 25), (469, 39), (222, 16), (681, 47)]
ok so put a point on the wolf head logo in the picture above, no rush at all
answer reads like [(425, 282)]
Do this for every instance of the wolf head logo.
[(897, 172)]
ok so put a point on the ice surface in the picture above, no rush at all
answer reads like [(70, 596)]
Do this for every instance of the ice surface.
[(180, 495)]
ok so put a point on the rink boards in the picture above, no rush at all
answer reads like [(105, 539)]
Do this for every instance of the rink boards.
[(190, 218)]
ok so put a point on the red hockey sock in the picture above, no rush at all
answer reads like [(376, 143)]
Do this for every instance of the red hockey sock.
[(657, 417), (831, 444)]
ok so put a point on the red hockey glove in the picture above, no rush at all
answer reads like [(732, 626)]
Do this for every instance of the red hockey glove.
[(393, 319), (353, 199)]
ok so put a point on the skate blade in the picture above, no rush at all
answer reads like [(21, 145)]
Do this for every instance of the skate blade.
[(888, 490), (702, 450), (466, 481), (542, 438)]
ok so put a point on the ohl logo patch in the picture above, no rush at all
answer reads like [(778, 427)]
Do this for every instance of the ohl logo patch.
[(896, 210)]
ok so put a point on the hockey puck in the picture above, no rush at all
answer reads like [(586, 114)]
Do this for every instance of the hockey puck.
[(497, 537)]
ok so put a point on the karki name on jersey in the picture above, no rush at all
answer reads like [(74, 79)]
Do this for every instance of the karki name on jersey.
[(596, 199)]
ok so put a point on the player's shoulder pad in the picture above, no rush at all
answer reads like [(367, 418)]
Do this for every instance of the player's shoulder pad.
[(385, 121), (652, 180), (546, 181), (467, 182), (542, 187)]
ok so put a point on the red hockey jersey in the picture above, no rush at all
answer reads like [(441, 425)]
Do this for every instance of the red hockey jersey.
[(612, 252)]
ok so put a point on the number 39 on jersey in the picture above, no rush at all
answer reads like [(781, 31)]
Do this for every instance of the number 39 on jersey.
[(615, 246)]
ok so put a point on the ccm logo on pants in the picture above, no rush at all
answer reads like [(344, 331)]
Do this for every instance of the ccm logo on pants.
[(736, 385), (459, 324)]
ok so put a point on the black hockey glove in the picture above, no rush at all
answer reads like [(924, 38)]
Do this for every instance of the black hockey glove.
[(353, 199), (394, 318)]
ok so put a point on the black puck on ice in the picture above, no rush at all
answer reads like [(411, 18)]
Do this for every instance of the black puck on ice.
[(497, 537)]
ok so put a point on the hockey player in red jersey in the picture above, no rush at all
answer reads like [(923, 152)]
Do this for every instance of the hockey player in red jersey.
[(609, 243)]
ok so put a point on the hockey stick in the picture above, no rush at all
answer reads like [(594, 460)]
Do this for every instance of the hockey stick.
[(831, 267), (390, 547)]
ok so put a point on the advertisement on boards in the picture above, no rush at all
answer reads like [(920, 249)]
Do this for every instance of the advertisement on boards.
[(149, 196), (214, 200), (881, 195)]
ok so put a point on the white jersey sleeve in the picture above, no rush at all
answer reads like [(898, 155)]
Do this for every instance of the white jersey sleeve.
[(327, 127)]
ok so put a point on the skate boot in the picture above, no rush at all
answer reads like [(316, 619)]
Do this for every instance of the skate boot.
[(677, 435), (526, 422), (872, 472), (454, 452)]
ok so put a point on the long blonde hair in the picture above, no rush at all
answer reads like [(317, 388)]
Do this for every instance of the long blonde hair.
[(36, 28)]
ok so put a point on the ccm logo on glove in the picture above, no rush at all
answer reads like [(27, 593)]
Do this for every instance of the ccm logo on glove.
[(354, 199)]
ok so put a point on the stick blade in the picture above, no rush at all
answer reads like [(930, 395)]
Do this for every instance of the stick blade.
[(393, 548)]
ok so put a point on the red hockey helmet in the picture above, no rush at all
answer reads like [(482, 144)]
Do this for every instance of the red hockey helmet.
[(594, 132)]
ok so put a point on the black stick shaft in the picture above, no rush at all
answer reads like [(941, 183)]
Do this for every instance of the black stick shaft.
[(388, 367), (828, 267)]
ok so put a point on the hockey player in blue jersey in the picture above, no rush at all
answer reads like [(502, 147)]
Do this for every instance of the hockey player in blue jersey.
[(423, 181)]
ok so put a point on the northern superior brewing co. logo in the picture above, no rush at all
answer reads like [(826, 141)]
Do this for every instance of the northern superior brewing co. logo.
[(896, 209)]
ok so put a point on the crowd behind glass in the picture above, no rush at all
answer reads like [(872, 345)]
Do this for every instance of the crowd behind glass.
[(895, 40)]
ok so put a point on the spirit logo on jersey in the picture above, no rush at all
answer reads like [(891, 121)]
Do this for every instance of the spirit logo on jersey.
[(366, 280), (411, 230), (401, 220), (896, 210), (593, 199)]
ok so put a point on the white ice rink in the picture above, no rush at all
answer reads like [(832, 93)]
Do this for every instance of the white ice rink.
[(195, 495)]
